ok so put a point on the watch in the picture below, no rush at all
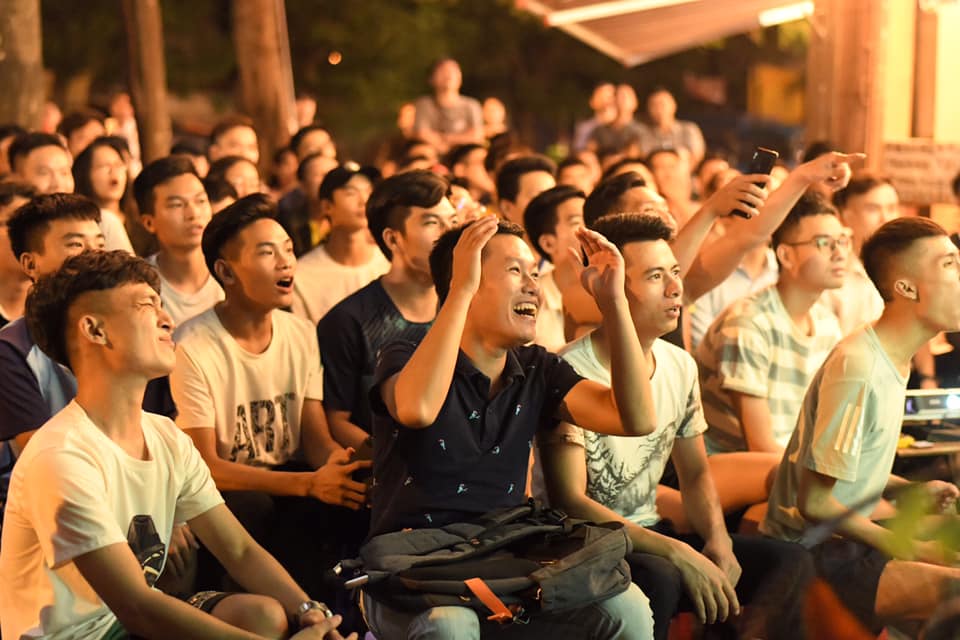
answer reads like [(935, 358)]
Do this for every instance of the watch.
[(310, 605)]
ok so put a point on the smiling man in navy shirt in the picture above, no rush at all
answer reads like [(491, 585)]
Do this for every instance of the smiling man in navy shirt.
[(457, 414)]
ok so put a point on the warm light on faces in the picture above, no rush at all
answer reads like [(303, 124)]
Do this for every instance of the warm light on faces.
[(48, 170), (648, 202), (238, 141), (569, 219), (507, 302), (348, 209), (815, 254), (317, 141), (313, 175), (577, 176), (865, 213), (531, 185), (129, 327), (63, 239), (244, 177), (82, 137), (421, 230), (260, 265), (9, 265), (662, 107), (654, 287), (932, 277), (181, 212), (108, 174)]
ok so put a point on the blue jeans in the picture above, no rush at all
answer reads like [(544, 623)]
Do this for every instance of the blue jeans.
[(626, 616)]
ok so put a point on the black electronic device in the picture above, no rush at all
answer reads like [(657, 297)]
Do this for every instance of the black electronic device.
[(762, 162)]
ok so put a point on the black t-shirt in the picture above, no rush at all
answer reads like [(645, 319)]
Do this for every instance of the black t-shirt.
[(351, 336), (3, 321), (474, 457)]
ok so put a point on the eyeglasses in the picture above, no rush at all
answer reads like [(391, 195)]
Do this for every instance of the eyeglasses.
[(825, 244)]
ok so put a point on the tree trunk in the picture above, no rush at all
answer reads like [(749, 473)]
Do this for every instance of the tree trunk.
[(266, 75), (21, 63), (148, 76)]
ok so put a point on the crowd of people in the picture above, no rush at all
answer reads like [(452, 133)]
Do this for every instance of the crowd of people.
[(215, 383)]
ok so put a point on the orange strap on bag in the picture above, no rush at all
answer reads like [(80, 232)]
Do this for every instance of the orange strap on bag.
[(479, 588)]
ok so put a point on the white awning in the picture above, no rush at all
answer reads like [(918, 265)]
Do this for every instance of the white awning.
[(636, 31)]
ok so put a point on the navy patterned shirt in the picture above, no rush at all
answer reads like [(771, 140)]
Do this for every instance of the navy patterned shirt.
[(474, 457)]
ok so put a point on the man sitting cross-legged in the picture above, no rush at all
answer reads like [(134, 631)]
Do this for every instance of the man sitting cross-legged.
[(605, 477), (456, 415), (838, 461), (96, 493)]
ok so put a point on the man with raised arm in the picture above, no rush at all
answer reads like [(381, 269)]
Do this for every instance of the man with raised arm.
[(456, 415)]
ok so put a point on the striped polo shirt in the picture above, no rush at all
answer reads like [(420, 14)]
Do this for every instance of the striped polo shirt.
[(754, 348)]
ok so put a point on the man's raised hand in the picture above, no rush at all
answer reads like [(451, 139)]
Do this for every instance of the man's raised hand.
[(466, 255)]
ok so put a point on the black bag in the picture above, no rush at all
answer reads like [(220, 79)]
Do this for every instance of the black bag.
[(512, 563)]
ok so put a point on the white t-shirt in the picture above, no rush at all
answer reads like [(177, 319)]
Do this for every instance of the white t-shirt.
[(550, 333), (114, 234), (74, 491), (321, 282), (623, 472), (253, 400), (848, 429), (183, 306)]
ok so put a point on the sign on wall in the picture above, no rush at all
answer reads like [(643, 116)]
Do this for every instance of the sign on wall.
[(922, 171)]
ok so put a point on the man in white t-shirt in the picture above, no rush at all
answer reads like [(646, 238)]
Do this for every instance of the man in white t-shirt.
[(96, 493), (759, 355), (248, 386), (175, 208), (837, 465), (603, 477), (349, 259)]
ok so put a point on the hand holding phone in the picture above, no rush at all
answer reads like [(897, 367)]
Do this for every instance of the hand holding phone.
[(762, 162)]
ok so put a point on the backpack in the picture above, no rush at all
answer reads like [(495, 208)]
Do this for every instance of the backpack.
[(510, 563)]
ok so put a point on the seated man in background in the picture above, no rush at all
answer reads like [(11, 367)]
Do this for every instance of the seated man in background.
[(14, 283), (248, 387), (408, 212), (838, 463), (95, 496), (604, 477), (759, 355), (456, 415)]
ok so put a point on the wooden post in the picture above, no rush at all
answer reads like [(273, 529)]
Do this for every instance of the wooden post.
[(21, 63), (148, 76), (266, 75), (860, 74)]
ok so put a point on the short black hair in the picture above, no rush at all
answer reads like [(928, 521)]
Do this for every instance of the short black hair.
[(225, 226), (540, 216), (23, 144), (441, 258), (816, 149), (623, 228), (10, 189), (228, 123), (460, 152), (508, 176), (956, 186), (890, 241), (570, 161), (218, 170), (83, 165), (861, 183), (188, 148), (219, 189), (614, 169), (11, 131), (28, 224), (389, 204), (605, 197), (77, 120), (810, 204), (48, 303), (302, 167), (156, 173), (302, 133)]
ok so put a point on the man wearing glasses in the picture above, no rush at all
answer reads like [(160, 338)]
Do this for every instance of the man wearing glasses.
[(757, 358)]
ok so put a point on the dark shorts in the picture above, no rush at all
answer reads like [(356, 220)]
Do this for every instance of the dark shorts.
[(853, 570), (203, 600)]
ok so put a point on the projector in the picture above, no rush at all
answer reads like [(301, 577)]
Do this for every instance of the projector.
[(923, 405)]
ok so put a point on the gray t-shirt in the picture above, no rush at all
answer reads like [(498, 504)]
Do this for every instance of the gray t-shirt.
[(848, 429), (466, 115), (623, 472)]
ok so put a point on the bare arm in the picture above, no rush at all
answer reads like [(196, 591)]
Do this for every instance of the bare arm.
[(415, 395), (719, 259), (628, 408), (315, 436), (345, 432), (565, 472), (754, 414)]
